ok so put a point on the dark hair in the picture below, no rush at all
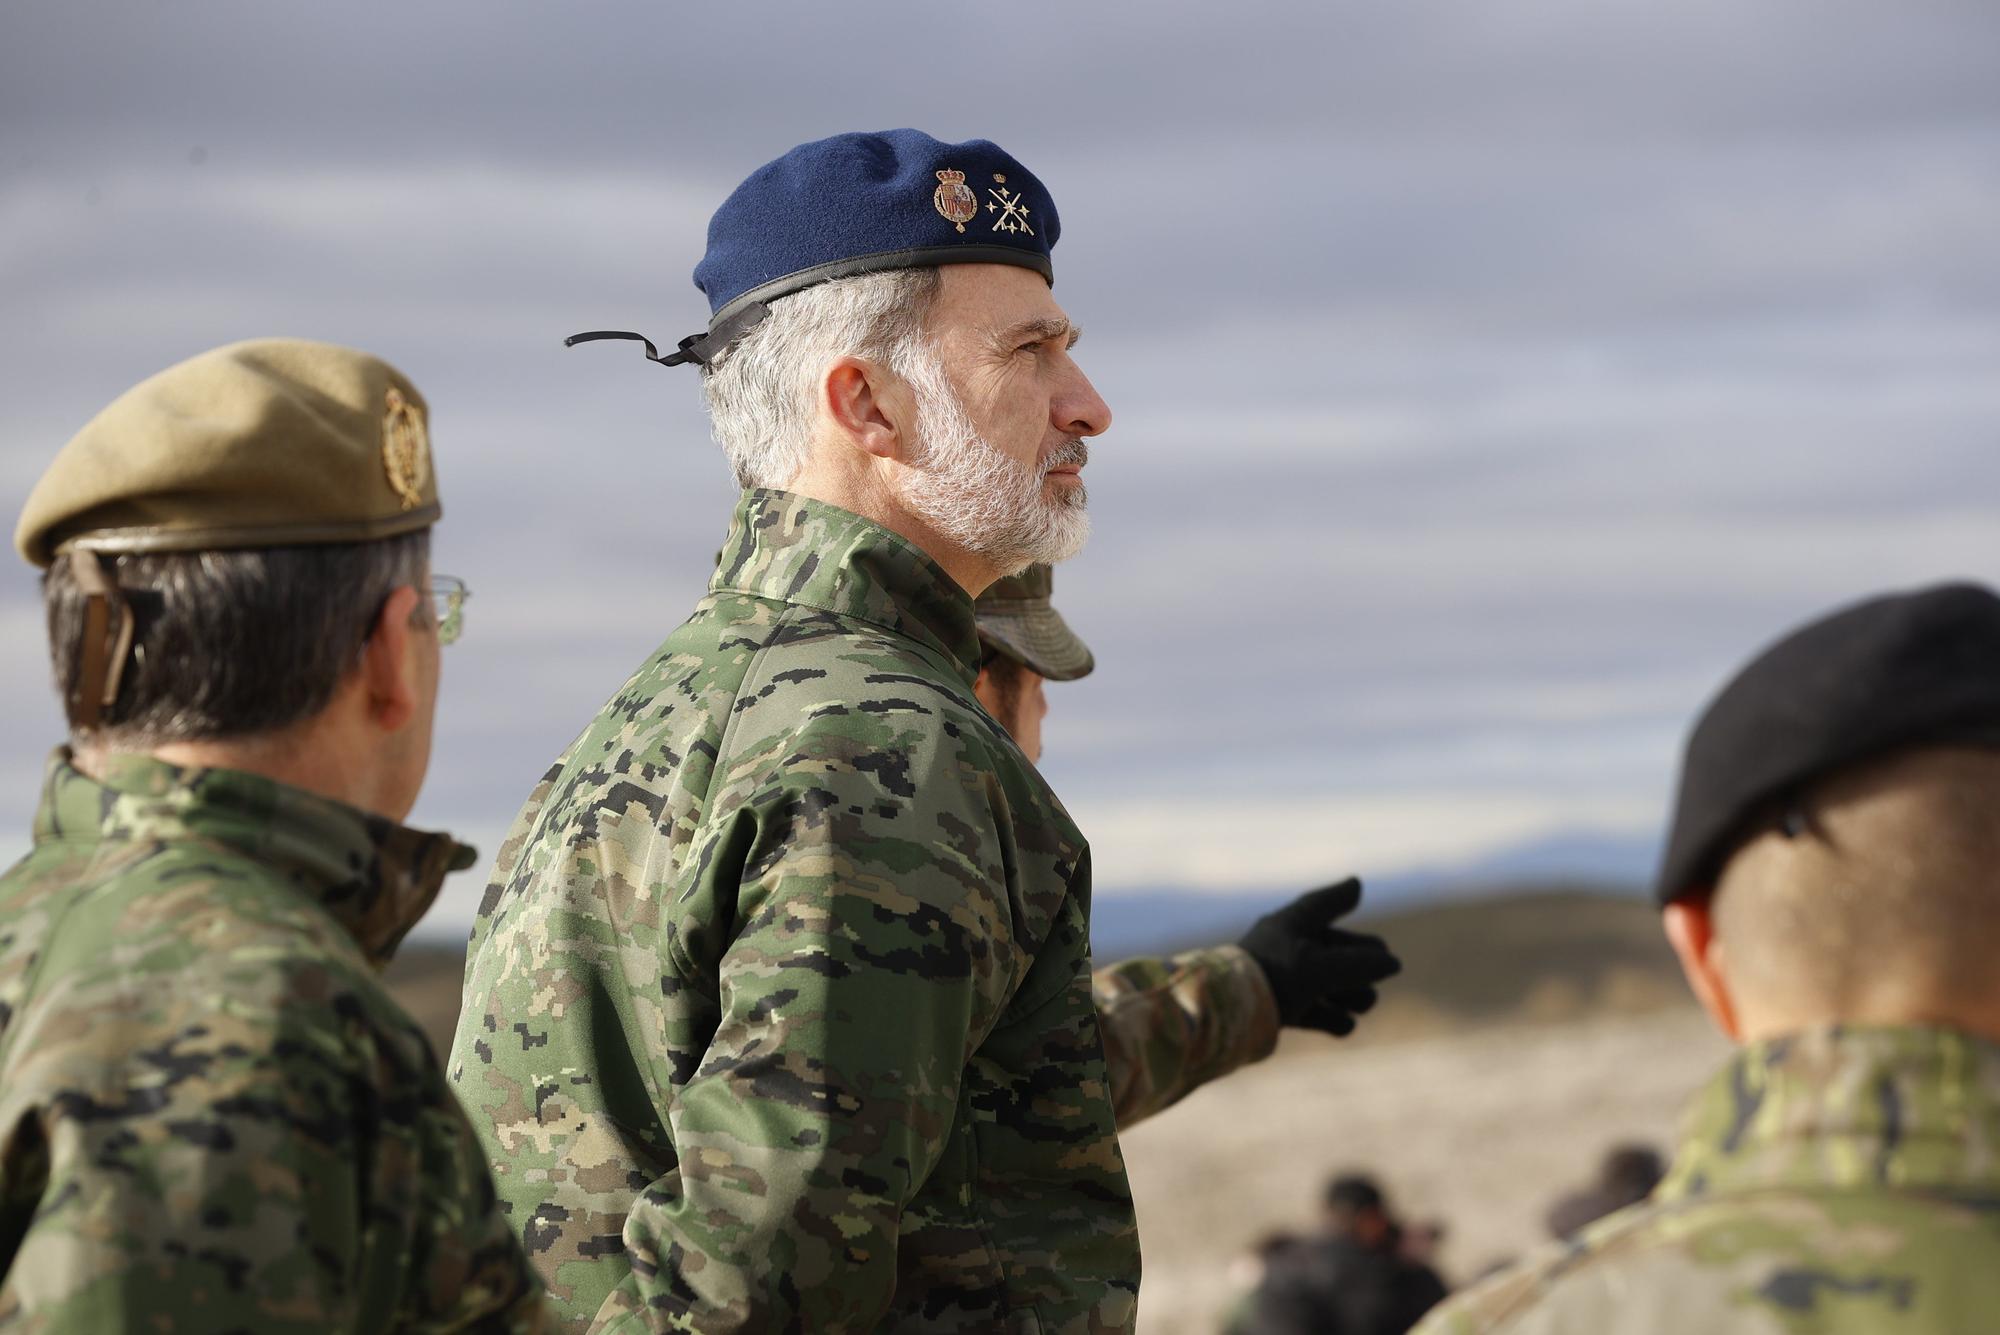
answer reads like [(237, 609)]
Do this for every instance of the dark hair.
[(1630, 1172), (231, 643), (1006, 674), (1353, 1192)]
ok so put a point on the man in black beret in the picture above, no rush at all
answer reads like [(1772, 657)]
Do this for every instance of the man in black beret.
[(1830, 887)]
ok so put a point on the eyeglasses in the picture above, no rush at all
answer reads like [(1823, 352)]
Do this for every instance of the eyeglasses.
[(448, 597)]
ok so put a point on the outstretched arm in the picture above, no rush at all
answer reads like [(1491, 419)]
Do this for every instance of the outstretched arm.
[(1171, 1025)]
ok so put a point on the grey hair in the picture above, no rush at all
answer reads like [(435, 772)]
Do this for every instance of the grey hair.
[(761, 392), (231, 644)]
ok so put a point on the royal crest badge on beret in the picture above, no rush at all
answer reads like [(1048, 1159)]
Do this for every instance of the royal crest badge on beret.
[(954, 198)]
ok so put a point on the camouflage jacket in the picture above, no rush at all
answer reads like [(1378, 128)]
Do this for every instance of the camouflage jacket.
[(1844, 1180), (1172, 1025), (778, 1010), (212, 1115)]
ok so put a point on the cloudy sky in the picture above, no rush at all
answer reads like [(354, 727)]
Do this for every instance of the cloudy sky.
[(1489, 378)]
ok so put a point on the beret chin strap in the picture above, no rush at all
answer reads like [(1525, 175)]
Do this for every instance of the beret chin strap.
[(107, 638), (702, 349)]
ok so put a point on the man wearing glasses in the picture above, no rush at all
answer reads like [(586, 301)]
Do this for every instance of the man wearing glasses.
[(212, 1115)]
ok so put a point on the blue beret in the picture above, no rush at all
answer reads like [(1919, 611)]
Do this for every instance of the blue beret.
[(860, 203), (856, 204)]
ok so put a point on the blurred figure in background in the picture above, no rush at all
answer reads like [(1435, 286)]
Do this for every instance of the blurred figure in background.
[(1422, 1239), (1171, 1025), (1829, 887), (1627, 1176), (1355, 1211), (1353, 1278), (1247, 1271)]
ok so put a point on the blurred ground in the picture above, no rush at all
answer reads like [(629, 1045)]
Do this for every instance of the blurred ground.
[(1529, 1031), (1480, 1130)]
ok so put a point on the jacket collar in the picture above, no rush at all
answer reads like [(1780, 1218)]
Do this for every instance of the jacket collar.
[(793, 549), (1913, 1107), (375, 877)]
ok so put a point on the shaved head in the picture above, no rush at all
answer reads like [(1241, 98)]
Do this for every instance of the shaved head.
[(1880, 901)]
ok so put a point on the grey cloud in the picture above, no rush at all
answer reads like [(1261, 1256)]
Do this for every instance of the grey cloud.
[(619, 81), (1486, 389)]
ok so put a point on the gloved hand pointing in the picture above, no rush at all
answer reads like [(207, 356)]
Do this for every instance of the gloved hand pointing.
[(1322, 975)]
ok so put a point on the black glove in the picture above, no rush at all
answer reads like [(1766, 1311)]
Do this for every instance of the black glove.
[(1321, 975)]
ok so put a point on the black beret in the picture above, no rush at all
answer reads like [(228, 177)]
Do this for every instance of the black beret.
[(1903, 670)]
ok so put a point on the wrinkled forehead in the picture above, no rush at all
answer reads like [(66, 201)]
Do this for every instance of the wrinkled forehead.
[(988, 300)]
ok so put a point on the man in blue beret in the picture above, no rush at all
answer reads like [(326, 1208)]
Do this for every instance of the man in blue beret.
[(778, 1011), (1828, 885)]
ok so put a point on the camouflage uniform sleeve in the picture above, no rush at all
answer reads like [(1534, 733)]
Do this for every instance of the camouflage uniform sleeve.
[(466, 1269), (294, 1168), (1172, 1025), (871, 954), (1455, 1317), (1493, 1303)]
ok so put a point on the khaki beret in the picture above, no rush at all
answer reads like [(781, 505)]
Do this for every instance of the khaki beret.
[(274, 442), (1017, 619)]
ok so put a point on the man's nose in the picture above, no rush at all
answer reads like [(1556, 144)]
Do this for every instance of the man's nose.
[(1079, 410)]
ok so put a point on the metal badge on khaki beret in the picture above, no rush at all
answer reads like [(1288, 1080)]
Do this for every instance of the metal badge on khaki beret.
[(1017, 619), (268, 443), (854, 204), (406, 449)]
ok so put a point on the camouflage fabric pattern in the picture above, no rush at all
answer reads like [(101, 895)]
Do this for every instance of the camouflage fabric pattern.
[(1017, 618), (1172, 1025), (212, 1116), (1840, 1181), (778, 1009)]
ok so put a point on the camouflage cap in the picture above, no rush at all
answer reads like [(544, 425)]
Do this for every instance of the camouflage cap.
[(1017, 619), (272, 442)]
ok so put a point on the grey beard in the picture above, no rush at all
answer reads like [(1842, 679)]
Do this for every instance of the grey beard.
[(979, 498)]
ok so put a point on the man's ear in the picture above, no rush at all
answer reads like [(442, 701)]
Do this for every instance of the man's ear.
[(1690, 926), (984, 692), (869, 407), (388, 666)]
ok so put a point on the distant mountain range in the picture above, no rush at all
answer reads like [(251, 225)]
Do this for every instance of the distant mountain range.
[(1537, 953), (1152, 920), (1546, 931)]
